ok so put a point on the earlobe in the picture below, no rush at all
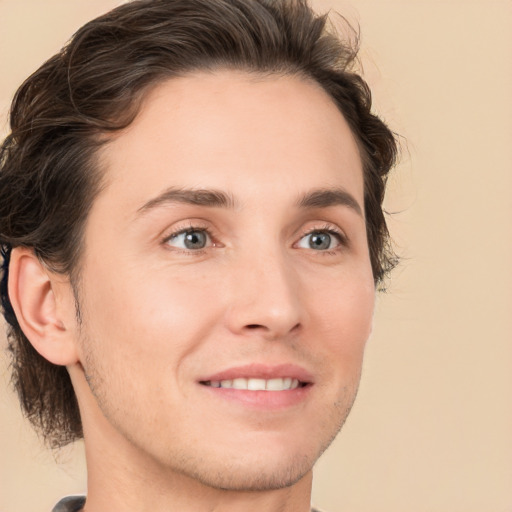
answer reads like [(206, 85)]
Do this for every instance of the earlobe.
[(39, 311)]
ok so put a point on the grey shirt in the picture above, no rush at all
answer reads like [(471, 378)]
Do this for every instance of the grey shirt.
[(70, 504)]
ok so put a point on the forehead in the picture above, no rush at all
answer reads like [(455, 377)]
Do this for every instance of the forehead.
[(236, 131)]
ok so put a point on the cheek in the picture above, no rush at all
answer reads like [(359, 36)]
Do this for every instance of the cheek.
[(343, 317), (141, 315)]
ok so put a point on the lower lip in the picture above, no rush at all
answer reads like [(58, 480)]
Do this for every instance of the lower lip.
[(262, 399)]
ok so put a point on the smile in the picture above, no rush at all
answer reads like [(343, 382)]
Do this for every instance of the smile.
[(252, 384)]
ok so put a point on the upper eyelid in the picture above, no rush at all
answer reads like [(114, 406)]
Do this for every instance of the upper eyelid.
[(171, 232), (186, 230), (212, 242), (329, 228), (201, 225)]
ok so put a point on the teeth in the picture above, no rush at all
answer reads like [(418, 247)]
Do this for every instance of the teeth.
[(256, 384), (237, 384), (278, 384)]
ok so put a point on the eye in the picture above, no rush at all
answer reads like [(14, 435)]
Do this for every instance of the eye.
[(320, 240), (191, 239)]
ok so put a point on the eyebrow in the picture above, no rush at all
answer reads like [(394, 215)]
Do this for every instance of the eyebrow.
[(325, 197), (318, 198), (199, 197)]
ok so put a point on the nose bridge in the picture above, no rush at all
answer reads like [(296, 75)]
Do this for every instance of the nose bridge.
[(264, 292)]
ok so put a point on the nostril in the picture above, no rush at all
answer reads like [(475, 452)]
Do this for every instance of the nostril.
[(260, 327)]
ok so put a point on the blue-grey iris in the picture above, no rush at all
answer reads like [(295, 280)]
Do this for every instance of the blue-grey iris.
[(320, 241), (195, 240)]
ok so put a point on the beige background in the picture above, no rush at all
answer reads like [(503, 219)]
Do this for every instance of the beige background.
[(432, 428)]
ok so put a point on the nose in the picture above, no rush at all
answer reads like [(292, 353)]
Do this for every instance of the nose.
[(264, 297)]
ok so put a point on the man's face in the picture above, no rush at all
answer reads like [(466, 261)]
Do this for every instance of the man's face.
[(226, 290)]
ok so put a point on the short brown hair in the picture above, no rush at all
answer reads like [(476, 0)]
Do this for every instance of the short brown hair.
[(94, 85)]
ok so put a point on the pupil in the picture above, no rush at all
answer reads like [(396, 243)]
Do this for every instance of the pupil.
[(320, 241), (195, 240)]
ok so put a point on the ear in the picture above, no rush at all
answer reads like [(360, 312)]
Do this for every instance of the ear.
[(42, 306)]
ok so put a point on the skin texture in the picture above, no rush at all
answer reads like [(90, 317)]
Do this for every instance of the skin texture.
[(157, 317)]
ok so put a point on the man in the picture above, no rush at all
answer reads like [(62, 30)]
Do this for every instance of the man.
[(192, 236)]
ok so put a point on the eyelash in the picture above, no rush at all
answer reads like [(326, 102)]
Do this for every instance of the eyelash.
[(327, 229), (336, 233), (191, 228)]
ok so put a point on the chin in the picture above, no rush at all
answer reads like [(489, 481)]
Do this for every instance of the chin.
[(278, 466), (257, 476)]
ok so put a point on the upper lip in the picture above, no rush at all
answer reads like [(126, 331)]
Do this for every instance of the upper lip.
[(261, 371)]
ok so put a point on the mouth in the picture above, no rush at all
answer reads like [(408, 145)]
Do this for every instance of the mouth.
[(254, 384), (261, 386)]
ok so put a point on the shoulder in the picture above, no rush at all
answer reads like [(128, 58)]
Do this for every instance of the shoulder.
[(70, 504)]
